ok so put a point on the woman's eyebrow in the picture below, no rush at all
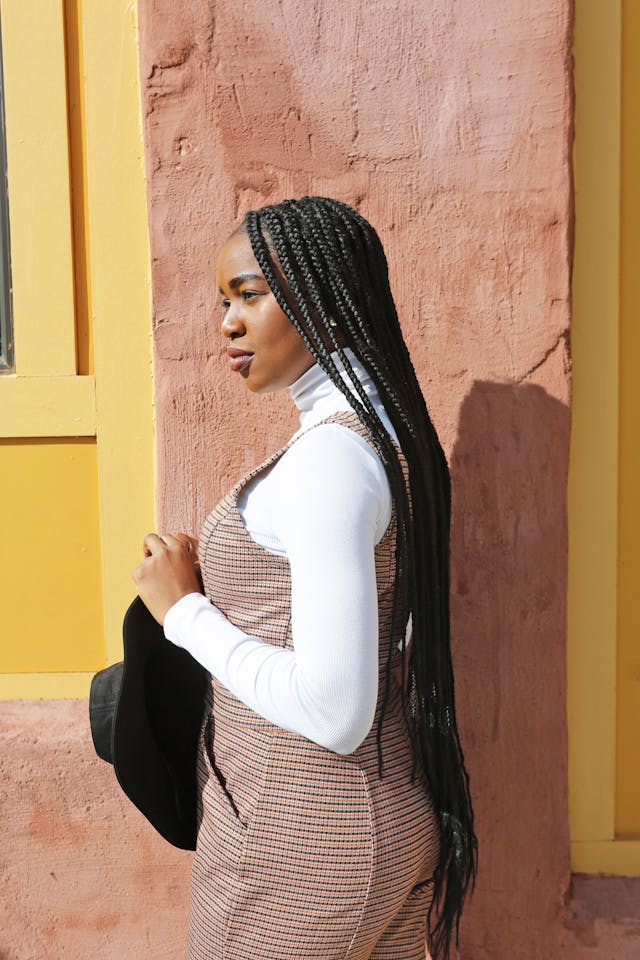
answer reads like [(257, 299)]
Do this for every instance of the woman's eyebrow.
[(242, 277)]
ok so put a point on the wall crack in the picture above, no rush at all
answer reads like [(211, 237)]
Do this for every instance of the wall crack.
[(562, 337)]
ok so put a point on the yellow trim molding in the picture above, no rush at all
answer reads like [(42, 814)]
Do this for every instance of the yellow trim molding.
[(44, 686), (628, 680), (35, 90), (616, 858), (47, 406), (119, 269), (593, 485), (593, 464)]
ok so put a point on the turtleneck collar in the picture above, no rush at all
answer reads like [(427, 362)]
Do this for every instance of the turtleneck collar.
[(315, 385), (316, 396)]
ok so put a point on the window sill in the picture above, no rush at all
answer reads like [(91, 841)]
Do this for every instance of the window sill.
[(47, 406)]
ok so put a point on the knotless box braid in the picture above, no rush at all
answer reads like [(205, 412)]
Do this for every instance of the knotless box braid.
[(324, 262)]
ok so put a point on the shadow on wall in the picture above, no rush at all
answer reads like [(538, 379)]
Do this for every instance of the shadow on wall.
[(508, 623)]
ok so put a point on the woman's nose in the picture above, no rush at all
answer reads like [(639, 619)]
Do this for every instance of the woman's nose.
[(231, 323)]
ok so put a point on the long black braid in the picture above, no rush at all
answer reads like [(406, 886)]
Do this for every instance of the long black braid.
[(323, 261)]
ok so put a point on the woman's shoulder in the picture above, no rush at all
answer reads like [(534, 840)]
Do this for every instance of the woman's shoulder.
[(328, 473), (336, 446)]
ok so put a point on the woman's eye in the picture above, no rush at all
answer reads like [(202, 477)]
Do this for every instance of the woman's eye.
[(245, 294)]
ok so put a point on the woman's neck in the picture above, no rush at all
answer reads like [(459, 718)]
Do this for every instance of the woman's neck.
[(316, 396)]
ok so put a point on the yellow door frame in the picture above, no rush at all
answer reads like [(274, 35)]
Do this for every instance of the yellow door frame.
[(595, 453)]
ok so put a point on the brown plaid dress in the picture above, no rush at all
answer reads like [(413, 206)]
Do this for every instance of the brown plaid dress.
[(303, 853)]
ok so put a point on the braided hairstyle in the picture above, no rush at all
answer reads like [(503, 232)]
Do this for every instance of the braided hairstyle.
[(327, 269)]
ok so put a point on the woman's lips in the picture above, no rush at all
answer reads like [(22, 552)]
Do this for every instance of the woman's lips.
[(240, 363)]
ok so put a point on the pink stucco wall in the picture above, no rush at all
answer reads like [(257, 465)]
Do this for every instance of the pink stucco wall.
[(450, 126), (82, 874)]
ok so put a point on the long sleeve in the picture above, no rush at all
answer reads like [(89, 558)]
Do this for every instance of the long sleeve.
[(326, 509)]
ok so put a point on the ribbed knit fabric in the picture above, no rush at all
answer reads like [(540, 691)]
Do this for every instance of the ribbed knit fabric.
[(303, 853)]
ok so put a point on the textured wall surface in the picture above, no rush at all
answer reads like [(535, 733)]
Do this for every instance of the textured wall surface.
[(450, 127), (447, 125), (82, 873)]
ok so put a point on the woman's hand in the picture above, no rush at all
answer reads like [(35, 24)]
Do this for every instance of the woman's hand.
[(191, 544), (169, 572)]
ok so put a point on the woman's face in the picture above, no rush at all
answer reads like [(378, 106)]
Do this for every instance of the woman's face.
[(254, 323)]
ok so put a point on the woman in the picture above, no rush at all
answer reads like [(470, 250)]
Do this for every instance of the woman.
[(336, 820)]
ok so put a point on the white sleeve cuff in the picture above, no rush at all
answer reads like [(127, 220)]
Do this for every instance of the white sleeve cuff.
[(179, 617)]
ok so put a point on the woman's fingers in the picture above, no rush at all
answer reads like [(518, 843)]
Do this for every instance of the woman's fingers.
[(170, 540), (166, 574), (190, 543), (155, 542), (152, 544)]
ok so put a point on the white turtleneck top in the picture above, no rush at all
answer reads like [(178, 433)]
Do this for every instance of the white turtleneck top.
[(324, 504)]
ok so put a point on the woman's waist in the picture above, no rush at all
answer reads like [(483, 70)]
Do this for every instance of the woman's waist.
[(227, 704), (234, 717)]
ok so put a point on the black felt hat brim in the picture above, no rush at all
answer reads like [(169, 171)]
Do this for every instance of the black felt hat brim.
[(157, 700), (103, 699)]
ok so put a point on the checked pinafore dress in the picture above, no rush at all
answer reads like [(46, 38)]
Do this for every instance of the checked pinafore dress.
[(302, 853)]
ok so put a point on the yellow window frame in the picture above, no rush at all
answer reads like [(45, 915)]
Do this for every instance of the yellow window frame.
[(46, 397)]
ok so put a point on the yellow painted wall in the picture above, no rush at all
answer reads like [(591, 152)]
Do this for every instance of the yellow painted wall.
[(76, 418), (628, 675), (603, 597), (51, 567)]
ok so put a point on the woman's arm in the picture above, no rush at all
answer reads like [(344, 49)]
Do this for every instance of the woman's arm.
[(330, 496)]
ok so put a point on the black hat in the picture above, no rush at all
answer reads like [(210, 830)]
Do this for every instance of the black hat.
[(145, 714)]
